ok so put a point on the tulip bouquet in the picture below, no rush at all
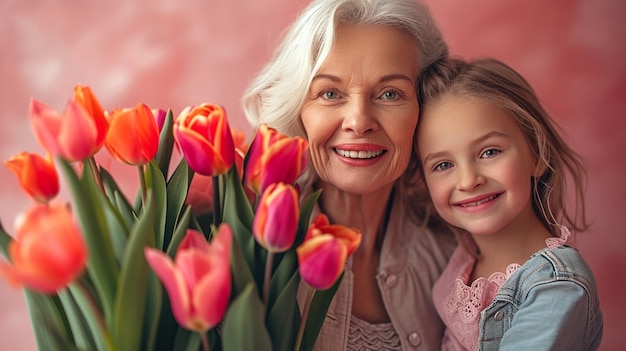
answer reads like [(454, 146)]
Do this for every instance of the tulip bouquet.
[(153, 272)]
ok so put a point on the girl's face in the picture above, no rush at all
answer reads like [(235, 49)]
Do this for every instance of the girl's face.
[(361, 110), (477, 164)]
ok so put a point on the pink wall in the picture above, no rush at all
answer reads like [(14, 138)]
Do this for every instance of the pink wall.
[(172, 54)]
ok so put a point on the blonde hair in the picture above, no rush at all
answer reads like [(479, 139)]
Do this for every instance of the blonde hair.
[(493, 82), (275, 97)]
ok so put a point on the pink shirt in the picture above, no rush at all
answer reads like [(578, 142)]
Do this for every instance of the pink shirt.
[(459, 304)]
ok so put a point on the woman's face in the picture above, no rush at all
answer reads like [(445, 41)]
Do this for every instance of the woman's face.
[(361, 109)]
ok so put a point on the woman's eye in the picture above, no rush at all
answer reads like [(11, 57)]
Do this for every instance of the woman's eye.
[(390, 95), (490, 153), (329, 95), (442, 166)]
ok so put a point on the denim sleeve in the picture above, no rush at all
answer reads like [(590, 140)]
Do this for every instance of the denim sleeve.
[(556, 315)]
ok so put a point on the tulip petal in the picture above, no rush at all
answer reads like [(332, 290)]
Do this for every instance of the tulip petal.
[(322, 259), (174, 283)]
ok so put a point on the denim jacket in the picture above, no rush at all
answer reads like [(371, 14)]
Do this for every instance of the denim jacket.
[(550, 303)]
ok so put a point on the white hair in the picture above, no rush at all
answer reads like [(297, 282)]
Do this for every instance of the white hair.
[(276, 95)]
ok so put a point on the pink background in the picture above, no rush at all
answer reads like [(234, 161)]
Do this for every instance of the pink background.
[(172, 54)]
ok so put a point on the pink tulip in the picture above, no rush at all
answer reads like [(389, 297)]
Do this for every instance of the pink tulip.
[(198, 282), (276, 219), (36, 174), (72, 135), (205, 139), (48, 251), (273, 158), (323, 254)]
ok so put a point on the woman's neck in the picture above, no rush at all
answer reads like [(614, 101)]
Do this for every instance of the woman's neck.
[(366, 212)]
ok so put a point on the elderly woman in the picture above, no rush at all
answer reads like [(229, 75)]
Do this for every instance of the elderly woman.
[(345, 77)]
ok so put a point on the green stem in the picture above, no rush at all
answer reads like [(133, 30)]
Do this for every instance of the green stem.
[(205, 341), (96, 172), (142, 184), (305, 315), (217, 208), (269, 263)]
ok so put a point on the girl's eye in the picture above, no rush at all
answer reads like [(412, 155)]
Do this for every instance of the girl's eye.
[(490, 153), (442, 166)]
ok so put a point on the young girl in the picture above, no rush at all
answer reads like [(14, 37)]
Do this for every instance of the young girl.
[(496, 170)]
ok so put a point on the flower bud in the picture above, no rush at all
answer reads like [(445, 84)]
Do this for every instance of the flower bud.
[(276, 219)]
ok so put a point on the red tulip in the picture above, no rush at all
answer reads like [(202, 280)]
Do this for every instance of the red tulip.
[(85, 97), (200, 193), (205, 139), (48, 251), (133, 136), (36, 174), (198, 282), (276, 219), (274, 158), (323, 254)]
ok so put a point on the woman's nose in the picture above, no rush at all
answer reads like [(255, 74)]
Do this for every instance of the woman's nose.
[(359, 116)]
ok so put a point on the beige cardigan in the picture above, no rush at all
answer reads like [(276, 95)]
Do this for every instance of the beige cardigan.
[(411, 260)]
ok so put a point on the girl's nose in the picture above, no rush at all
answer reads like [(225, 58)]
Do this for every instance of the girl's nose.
[(469, 178), (359, 116)]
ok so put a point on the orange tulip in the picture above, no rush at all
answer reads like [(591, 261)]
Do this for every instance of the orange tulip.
[(73, 135), (133, 136), (198, 282), (48, 251), (205, 139), (84, 97), (323, 254), (36, 174), (274, 158), (276, 219)]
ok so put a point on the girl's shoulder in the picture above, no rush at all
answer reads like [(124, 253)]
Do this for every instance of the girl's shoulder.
[(563, 263)]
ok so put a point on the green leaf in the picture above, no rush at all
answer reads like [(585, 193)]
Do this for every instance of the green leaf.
[(283, 274), (89, 202), (50, 325), (166, 145), (177, 189), (244, 325), (156, 182), (187, 341), (179, 232), (305, 216), (242, 276), (154, 304), (237, 212), (86, 313), (111, 187), (284, 316), (317, 315), (130, 304), (78, 324), (5, 240)]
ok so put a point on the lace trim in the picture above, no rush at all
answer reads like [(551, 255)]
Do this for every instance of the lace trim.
[(364, 336), (463, 306)]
